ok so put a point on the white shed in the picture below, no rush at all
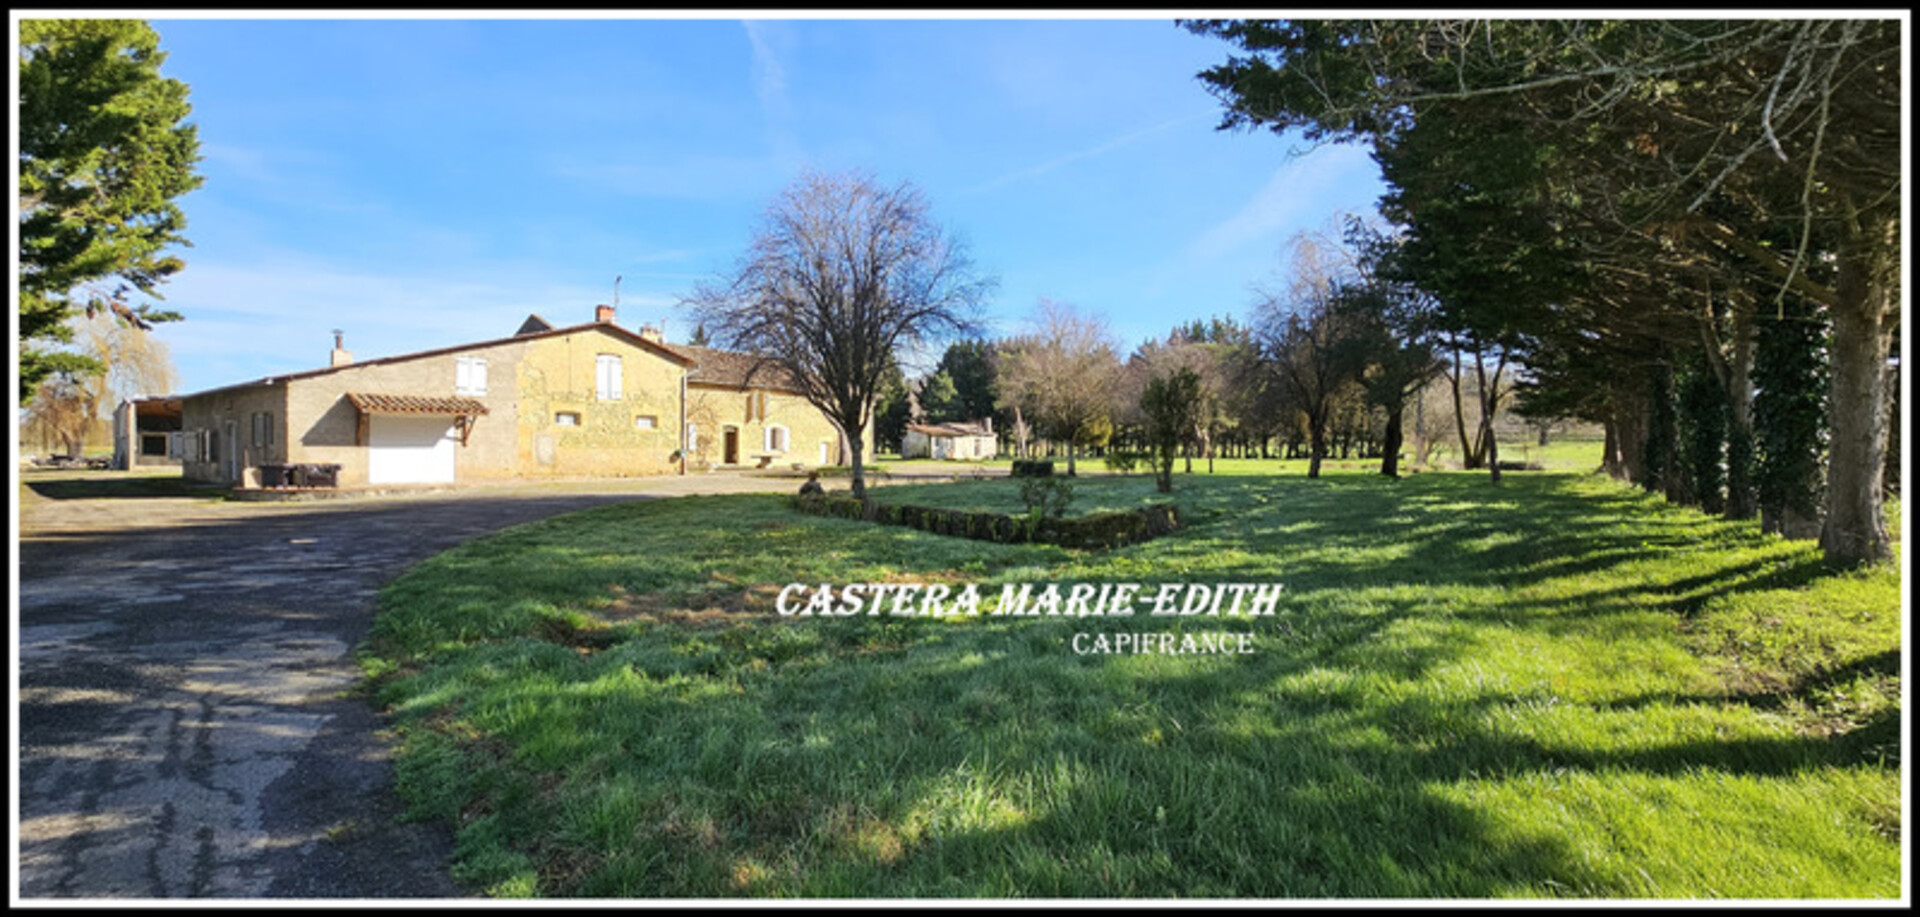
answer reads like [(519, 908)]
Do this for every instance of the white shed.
[(959, 441)]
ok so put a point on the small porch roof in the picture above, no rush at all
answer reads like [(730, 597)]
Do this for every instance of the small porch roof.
[(371, 403)]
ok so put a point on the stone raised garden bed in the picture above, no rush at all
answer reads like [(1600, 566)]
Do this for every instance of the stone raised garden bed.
[(1103, 530)]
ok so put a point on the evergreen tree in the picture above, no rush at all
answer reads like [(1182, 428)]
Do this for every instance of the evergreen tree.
[(1789, 413), (104, 152)]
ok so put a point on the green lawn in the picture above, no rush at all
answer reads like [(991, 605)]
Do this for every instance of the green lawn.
[(1559, 687)]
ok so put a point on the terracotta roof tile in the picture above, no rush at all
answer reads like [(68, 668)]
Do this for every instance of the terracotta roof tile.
[(949, 429), (727, 367), (369, 403), (608, 327)]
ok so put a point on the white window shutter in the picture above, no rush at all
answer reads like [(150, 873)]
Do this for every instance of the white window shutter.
[(607, 377)]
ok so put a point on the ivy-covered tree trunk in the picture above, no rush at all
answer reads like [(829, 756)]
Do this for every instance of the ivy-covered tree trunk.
[(1789, 416), (1742, 501), (1703, 436), (1631, 410), (1658, 459)]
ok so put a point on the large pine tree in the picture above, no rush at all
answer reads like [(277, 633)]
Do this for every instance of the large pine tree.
[(104, 153)]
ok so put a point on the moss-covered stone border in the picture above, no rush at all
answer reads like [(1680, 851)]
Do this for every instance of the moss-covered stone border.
[(1103, 530)]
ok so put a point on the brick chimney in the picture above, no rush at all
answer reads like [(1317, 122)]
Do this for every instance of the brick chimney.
[(340, 356), (603, 314)]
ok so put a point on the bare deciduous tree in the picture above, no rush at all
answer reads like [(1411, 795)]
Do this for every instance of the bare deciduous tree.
[(1304, 339), (131, 363), (1064, 375), (61, 413), (842, 274), (136, 362)]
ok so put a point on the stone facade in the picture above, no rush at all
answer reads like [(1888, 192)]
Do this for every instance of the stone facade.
[(588, 400), (766, 427)]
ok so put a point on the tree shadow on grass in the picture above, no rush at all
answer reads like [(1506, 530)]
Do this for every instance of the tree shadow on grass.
[(1453, 530), (992, 764), (875, 758), (108, 486)]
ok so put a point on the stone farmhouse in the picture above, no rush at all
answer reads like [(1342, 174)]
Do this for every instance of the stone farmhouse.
[(585, 400)]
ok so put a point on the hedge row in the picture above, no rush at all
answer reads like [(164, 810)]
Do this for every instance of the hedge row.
[(1031, 468), (1106, 530)]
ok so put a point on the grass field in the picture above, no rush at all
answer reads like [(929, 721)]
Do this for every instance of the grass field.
[(1559, 687)]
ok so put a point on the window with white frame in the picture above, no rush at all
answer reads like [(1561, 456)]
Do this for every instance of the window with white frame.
[(606, 377), (693, 437), (776, 439), (469, 376)]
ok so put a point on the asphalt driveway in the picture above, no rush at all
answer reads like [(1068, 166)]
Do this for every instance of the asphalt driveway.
[(183, 663)]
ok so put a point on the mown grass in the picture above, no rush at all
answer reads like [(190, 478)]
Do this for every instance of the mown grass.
[(1554, 688)]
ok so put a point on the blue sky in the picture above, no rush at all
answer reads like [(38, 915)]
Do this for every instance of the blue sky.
[(426, 183)]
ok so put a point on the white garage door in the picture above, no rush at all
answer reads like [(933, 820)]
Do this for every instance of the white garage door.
[(404, 449)]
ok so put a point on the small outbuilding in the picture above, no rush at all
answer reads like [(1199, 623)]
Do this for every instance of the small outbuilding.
[(146, 431), (970, 441)]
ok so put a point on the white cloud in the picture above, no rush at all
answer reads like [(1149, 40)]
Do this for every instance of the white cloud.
[(1298, 194), (769, 78), (1088, 153), (770, 86)]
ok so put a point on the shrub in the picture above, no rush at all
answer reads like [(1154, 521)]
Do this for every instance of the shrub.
[(1032, 468), (1046, 497), (1123, 462)]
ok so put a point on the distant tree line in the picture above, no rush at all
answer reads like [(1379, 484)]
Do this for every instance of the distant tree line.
[(1326, 368)]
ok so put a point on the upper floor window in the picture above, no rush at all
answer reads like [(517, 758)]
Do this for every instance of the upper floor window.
[(470, 376), (606, 377)]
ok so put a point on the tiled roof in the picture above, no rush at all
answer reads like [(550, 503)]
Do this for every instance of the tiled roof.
[(949, 429), (369, 403), (607, 327), (726, 367)]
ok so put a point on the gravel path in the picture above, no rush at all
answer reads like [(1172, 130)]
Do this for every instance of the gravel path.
[(184, 730)]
